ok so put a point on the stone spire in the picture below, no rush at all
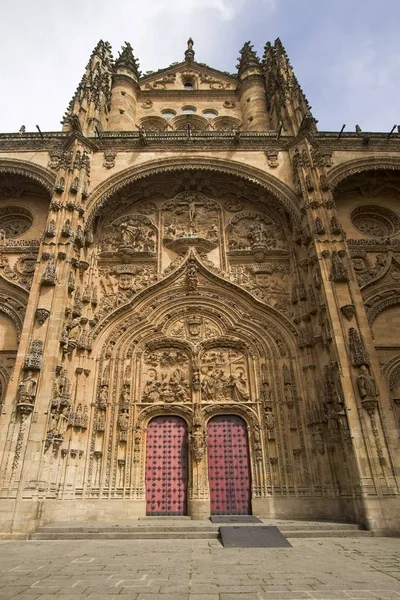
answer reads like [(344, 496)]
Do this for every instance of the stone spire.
[(282, 85), (127, 62), (189, 52), (124, 91), (93, 93), (248, 60), (251, 90)]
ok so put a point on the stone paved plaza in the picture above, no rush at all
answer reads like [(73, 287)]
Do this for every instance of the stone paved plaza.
[(322, 569)]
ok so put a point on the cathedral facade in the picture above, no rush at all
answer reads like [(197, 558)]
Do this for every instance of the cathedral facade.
[(199, 303)]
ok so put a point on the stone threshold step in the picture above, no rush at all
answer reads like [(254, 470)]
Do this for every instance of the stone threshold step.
[(165, 518), (327, 533), (92, 530), (161, 535), (322, 526), (190, 526), (205, 535), (179, 529)]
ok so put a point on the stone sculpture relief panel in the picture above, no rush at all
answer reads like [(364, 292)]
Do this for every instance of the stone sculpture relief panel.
[(224, 376), (166, 377), (129, 237), (191, 220), (119, 283), (254, 233), (194, 327)]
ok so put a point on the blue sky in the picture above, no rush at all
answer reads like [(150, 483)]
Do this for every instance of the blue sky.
[(346, 54)]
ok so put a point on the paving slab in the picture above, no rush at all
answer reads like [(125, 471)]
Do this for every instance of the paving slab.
[(314, 569)]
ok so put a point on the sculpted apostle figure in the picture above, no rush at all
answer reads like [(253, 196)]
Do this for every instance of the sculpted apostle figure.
[(62, 422), (366, 384), (27, 388)]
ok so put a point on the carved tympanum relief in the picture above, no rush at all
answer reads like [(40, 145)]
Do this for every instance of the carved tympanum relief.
[(224, 376), (129, 236), (166, 376), (191, 220), (171, 375), (149, 239), (254, 233)]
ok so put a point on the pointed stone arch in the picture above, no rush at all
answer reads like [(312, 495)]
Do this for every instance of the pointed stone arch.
[(141, 302)]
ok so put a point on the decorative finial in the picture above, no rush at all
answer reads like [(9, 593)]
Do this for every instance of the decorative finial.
[(248, 59), (127, 60), (189, 53)]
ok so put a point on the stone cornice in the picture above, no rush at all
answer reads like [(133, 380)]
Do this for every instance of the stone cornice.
[(201, 140)]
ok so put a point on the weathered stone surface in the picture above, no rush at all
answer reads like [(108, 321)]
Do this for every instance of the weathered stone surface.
[(191, 253)]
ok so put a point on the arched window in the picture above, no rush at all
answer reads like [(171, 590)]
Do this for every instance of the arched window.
[(210, 113), (168, 113), (188, 110)]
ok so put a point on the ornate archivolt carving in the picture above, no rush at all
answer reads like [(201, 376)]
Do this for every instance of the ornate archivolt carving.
[(352, 167), (266, 183), (30, 170), (14, 307), (393, 375), (202, 278), (380, 302), (22, 271)]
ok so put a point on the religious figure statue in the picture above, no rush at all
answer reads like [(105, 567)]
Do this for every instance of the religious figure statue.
[(103, 396), (27, 389), (270, 422), (192, 212), (152, 391), (367, 385), (123, 420), (207, 384), (62, 422), (198, 440), (237, 387), (258, 233)]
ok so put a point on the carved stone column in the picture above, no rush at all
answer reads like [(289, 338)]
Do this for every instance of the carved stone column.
[(42, 329)]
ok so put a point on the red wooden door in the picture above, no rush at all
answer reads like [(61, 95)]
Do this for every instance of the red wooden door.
[(228, 466), (166, 466)]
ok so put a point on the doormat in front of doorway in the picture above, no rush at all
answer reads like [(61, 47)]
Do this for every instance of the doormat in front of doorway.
[(234, 519), (253, 537)]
